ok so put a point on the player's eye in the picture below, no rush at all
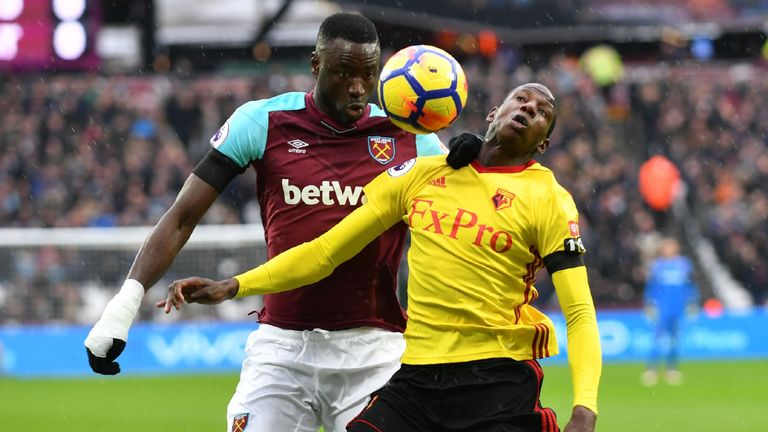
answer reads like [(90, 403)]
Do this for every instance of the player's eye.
[(544, 113), (520, 98)]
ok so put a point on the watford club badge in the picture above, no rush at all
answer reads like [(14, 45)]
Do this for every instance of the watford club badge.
[(382, 149), (502, 199), (240, 422)]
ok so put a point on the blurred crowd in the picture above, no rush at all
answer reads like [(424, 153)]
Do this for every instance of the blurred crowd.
[(716, 129), (527, 13), (94, 151)]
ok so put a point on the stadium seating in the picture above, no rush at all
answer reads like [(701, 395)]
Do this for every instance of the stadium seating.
[(95, 151)]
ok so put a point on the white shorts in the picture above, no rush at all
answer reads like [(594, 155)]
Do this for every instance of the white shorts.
[(298, 381)]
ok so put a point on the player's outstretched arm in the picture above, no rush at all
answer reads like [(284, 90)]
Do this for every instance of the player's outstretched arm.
[(294, 268), (107, 339), (309, 262)]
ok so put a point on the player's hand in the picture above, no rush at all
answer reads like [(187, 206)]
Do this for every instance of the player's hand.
[(463, 149), (105, 365), (198, 290), (582, 420), (106, 340)]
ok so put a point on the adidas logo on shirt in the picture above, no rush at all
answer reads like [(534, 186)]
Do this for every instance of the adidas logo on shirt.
[(439, 182)]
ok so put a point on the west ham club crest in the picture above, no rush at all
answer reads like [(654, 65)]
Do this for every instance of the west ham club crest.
[(240, 422), (382, 149)]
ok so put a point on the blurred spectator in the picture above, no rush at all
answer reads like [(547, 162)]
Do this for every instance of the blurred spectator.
[(183, 112), (603, 65)]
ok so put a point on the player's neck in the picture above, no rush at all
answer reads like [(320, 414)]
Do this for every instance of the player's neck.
[(328, 111), (319, 102), (492, 155)]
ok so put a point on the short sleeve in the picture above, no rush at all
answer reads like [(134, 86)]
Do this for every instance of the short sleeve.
[(242, 138)]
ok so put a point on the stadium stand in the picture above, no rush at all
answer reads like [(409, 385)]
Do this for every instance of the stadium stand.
[(79, 150)]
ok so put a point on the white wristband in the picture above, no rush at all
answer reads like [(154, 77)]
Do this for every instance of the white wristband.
[(116, 318)]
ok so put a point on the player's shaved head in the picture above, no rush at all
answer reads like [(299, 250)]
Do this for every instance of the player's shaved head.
[(348, 26), (541, 88)]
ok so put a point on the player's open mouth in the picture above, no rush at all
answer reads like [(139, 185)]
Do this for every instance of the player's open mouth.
[(519, 122)]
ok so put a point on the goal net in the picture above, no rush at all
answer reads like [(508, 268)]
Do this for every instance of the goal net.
[(69, 274)]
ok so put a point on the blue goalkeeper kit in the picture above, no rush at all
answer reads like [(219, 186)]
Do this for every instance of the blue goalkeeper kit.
[(670, 288)]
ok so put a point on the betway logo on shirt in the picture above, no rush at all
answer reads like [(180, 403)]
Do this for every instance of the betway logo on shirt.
[(327, 193)]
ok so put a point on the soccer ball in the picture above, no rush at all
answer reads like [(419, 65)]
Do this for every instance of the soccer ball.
[(422, 89)]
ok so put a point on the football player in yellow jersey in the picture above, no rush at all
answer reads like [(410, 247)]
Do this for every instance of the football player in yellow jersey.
[(478, 236)]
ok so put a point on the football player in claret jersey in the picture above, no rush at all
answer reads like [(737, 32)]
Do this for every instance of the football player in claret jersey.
[(478, 236), (320, 350)]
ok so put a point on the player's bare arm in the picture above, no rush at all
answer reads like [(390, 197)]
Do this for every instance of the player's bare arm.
[(107, 339), (172, 231)]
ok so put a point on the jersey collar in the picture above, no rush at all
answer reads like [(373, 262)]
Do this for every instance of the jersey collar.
[(328, 122), (510, 169)]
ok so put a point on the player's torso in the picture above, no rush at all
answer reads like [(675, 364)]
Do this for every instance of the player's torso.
[(310, 177), (484, 237), (493, 229)]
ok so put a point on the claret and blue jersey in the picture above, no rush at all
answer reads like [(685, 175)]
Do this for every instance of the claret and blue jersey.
[(310, 174)]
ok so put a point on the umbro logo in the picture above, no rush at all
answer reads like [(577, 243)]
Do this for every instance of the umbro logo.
[(439, 182), (297, 146)]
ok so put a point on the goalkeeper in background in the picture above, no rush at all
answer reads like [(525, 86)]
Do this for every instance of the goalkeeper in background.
[(478, 234), (669, 294)]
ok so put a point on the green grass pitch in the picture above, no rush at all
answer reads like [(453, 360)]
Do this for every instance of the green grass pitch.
[(715, 396)]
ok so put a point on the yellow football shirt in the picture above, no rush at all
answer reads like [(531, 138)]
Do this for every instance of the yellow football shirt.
[(478, 236)]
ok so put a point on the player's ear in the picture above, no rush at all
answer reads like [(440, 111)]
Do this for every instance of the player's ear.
[(491, 114), (542, 146), (314, 64)]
